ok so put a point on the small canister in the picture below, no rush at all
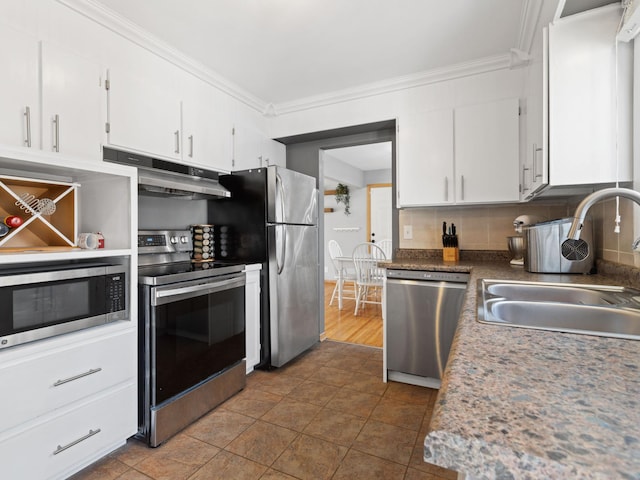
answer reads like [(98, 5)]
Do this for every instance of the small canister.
[(12, 221)]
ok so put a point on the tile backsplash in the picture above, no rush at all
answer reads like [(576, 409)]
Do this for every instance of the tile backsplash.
[(486, 227)]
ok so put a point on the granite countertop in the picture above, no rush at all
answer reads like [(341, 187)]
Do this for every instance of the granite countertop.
[(522, 403)]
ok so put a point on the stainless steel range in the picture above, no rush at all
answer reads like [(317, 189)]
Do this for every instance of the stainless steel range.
[(192, 333)]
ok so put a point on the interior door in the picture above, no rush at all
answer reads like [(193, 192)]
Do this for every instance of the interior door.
[(380, 207)]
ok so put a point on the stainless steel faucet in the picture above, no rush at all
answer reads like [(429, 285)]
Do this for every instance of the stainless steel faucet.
[(589, 200)]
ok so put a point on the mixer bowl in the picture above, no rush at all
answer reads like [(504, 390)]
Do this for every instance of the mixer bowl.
[(516, 248)]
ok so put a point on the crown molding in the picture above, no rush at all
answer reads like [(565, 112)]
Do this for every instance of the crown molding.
[(132, 32), (475, 67), (529, 19), (109, 19)]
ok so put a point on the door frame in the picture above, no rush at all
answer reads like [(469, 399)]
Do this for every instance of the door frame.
[(369, 187)]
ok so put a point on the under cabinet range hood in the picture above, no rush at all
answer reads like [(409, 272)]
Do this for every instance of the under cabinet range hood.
[(162, 178)]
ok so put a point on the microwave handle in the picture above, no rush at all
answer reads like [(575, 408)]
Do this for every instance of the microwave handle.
[(51, 276), (164, 295)]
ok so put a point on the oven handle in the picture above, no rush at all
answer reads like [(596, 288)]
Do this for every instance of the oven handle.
[(164, 295)]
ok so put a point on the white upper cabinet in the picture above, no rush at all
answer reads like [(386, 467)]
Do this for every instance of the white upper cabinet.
[(487, 152), (144, 106), (71, 99), (247, 146), (19, 91), (534, 166), (589, 117), (425, 159), (465, 155), (253, 149), (274, 153), (70, 96), (206, 127)]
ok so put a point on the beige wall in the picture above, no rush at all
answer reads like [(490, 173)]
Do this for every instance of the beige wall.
[(610, 245), (486, 227), (482, 227)]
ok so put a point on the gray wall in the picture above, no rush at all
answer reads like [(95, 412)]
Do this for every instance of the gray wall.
[(303, 155)]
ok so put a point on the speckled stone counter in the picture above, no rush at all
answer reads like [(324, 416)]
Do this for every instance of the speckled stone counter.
[(518, 403)]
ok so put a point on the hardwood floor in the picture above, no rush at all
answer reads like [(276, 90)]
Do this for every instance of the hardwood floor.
[(344, 326)]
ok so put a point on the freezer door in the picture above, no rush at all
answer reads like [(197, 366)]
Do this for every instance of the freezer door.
[(293, 290), (292, 197)]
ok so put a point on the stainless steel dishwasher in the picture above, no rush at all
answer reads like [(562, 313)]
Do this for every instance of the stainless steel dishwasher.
[(422, 309)]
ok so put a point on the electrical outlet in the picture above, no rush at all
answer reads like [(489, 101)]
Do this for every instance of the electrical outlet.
[(408, 232), (326, 269)]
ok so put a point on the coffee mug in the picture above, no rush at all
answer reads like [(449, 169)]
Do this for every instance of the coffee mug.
[(88, 241)]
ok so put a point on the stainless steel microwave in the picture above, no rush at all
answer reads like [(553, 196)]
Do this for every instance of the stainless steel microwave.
[(44, 301)]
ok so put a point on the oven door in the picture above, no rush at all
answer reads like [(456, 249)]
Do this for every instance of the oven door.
[(196, 330)]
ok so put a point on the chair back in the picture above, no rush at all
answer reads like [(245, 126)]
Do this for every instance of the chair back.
[(334, 251), (365, 259), (386, 247)]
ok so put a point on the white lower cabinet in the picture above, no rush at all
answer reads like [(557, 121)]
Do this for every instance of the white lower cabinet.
[(70, 403), (252, 316), (70, 440), (53, 380)]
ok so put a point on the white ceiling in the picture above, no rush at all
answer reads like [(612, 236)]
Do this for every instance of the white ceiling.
[(374, 156), (285, 50)]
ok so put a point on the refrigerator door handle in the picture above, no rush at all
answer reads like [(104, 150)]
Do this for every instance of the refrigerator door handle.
[(283, 249), (280, 187)]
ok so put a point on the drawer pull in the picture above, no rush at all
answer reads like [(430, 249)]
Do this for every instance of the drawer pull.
[(75, 442), (76, 377)]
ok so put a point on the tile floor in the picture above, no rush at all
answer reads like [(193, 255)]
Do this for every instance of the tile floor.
[(326, 415)]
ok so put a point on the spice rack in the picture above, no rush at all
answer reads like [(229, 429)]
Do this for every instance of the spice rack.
[(45, 230)]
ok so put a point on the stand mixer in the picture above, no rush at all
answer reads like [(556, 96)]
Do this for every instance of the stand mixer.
[(516, 242)]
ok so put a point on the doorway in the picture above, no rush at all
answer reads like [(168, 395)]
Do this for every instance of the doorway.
[(366, 171), (305, 154)]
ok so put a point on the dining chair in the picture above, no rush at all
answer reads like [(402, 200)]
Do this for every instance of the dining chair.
[(369, 275), (385, 245), (342, 272)]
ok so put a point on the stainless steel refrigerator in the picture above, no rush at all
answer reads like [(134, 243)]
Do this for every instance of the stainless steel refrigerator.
[(273, 214)]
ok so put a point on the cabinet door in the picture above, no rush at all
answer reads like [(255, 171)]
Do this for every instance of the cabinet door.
[(487, 152), (274, 153), (534, 166), (206, 128), (425, 161), (583, 133), (247, 147), (252, 328), (144, 108), (19, 91), (71, 98)]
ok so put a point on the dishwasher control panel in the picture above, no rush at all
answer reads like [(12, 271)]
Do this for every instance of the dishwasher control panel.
[(429, 276)]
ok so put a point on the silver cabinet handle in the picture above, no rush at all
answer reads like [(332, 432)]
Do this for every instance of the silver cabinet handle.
[(76, 377), (536, 149), (56, 135), (27, 116), (191, 146), (524, 179), (177, 134), (446, 189), (461, 187), (75, 442)]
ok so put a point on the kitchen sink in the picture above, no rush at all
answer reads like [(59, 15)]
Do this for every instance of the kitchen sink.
[(603, 310)]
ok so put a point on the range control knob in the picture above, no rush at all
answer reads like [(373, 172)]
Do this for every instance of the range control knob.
[(174, 240), (184, 239)]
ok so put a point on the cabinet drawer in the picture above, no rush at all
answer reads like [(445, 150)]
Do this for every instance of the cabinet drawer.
[(68, 442), (57, 378)]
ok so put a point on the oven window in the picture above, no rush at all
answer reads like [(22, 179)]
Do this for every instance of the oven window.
[(50, 304), (196, 338)]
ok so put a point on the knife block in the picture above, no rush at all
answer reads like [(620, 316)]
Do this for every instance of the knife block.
[(450, 254)]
